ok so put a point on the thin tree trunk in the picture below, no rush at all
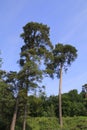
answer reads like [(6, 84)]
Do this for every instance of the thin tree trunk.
[(25, 115), (25, 110), (60, 100), (12, 127)]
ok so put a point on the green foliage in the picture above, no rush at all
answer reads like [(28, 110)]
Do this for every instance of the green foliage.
[(51, 123), (37, 42), (35, 106), (36, 35), (73, 104), (76, 123), (37, 58), (6, 105), (64, 55), (43, 123), (34, 53)]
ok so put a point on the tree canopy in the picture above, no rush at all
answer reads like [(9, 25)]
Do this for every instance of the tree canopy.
[(38, 59)]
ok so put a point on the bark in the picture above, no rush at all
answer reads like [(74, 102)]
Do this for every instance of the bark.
[(25, 110), (25, 115), (60, 100), (12, 127)]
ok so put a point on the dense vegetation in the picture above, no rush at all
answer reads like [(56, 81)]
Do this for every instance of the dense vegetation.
[(41, 107), (38, 58), (74, 123)]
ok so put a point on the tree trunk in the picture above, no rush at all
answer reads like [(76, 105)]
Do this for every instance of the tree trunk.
[(12, 127), (25, 115), (60, 100)]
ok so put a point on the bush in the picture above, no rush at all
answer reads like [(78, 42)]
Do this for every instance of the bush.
[(51, 123)]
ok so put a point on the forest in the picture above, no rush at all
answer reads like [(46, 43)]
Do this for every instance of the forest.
[(24, 104)]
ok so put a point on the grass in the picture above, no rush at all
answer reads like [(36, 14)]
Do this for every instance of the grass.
[(51, 123)]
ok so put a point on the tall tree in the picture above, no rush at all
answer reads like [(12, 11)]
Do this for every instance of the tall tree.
[(34, 52), (13, 82), (6, 100), (64, 55), (31, 75), (6, 105)]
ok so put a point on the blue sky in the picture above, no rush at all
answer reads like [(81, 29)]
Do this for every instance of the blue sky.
[(67, 20)]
